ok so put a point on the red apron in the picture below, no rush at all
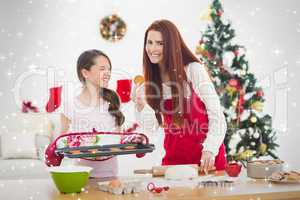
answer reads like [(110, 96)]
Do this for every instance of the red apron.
[(184, 145)]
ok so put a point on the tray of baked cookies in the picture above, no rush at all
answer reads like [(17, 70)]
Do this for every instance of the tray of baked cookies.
[(105, 150)]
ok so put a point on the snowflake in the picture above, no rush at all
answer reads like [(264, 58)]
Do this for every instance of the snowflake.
[(277, 51), (9, 73), (71, 1), (40, 43), (29, 20), (2, 58), (20, 34), (32, 67)]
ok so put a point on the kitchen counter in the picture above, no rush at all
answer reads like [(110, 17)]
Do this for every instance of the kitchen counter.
[(244, 188)]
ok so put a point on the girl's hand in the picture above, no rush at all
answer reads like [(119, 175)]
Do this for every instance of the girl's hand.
[(207, 161), (138, 97)]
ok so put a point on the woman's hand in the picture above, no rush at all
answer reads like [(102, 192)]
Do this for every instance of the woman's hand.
[(138, 97), (207, 161)]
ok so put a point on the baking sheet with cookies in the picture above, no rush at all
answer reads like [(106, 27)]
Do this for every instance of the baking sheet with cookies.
[(105, 150)]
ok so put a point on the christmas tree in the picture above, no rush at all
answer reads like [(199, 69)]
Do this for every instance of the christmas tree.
[(250, 133)]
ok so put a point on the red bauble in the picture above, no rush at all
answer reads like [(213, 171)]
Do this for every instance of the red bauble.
[(219, 13), (236, 53), (242, 98), (233, 82), (241, 109), (233, 169), (210, 56), (259, 93)]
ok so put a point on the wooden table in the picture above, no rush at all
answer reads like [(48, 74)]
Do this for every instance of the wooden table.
[(44, 189)]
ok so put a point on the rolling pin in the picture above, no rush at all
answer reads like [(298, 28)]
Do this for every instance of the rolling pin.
[(157, 171)]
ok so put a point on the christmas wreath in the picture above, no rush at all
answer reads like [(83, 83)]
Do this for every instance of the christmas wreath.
[(112, 28)]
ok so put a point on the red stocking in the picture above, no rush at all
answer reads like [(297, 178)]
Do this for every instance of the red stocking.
[(124, 89), (54, 99)]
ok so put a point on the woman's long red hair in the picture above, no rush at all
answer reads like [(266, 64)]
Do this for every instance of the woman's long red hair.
[(176, 56)]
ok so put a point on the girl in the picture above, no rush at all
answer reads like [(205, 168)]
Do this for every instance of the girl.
[(179, 90), (95, 107)]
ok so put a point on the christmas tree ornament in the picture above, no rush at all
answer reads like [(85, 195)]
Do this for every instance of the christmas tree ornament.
[(253, 119), (54, 100), (236, 53), (200, 50), (210, 56), (262, 148), (219, 13), (235, 103), (207, 15), (230, 90), (233, 83), (124, 89), (243, 72), (257, 105), (246, 155), (256, 135), (259, 93), (28, 107)]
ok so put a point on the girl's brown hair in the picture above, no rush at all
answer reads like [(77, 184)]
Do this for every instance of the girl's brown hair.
[(86, 61), (176, 56)]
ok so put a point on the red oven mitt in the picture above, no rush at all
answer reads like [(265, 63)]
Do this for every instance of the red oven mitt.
[(52, 159)]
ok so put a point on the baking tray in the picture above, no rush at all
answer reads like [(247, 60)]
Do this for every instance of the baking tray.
[(105, 150)]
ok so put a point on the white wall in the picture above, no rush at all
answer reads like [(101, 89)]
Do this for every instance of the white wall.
[(51, 34)]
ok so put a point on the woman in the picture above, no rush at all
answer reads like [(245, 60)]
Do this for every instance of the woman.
[(180, 97)]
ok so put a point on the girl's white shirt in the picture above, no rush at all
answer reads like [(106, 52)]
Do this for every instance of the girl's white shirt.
[(83, 119)]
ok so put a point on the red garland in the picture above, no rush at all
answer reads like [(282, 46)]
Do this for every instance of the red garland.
[(241, 101), (240, 106)]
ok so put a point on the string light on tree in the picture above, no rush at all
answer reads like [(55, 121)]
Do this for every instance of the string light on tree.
[(277, 52)]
